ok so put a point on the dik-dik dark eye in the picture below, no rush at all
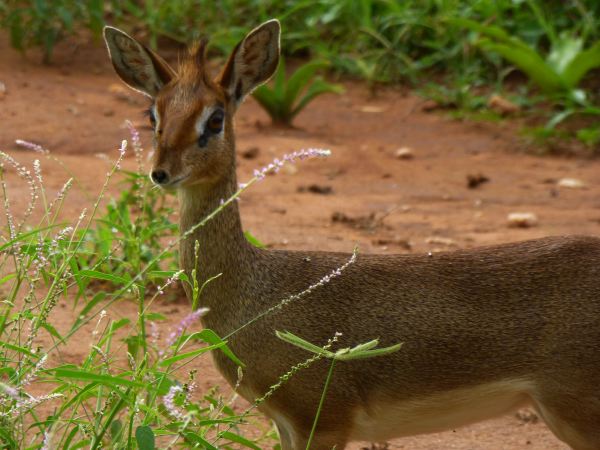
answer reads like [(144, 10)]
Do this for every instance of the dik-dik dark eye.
[(150, 113), (215, 122), (213, 126)]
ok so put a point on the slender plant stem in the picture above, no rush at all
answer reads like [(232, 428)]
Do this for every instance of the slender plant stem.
[(142, 319), (318, 413), (97, 440)]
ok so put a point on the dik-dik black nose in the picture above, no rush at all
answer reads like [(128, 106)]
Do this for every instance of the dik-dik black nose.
[(159, 176)]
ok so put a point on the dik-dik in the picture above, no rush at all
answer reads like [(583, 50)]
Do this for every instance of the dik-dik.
[(484, 331)]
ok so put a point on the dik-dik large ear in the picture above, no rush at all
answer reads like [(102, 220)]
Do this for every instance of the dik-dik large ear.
[(138, 66), (252, 62)]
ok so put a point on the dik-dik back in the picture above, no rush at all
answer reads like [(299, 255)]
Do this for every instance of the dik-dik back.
[(483, 330)]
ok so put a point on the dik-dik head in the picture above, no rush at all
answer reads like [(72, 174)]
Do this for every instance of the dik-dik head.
[(192, 112)]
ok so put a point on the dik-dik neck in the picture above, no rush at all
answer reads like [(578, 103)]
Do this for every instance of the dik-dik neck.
[(223, 248)]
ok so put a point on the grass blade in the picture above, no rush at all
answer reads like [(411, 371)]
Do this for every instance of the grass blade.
[(172, 359), (529, 62), (95, 377), (580, 65)]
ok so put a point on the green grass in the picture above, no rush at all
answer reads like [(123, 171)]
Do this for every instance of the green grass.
[(129, 390), (64, 282)]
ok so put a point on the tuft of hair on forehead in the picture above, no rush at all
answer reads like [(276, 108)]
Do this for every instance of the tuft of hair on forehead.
[(197, 51), (193, 66)]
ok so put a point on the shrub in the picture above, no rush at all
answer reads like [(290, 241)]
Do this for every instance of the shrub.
[(285, 97), (558, 73), (42, 23)]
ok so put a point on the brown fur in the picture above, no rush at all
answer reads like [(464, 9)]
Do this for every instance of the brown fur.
[(484, 330)]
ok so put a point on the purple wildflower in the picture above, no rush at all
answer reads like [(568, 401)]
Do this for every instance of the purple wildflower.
[(37, 169), (32, 402), (186, 322), (121, 153), (138, 150), (169, 402), (154, 332), (24, 174), (32, 146), (47, 442), (10, 391), (160, 290), (33, 374), (290, 158)]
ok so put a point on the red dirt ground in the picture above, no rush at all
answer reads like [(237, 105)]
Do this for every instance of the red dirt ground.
[(77, 106)]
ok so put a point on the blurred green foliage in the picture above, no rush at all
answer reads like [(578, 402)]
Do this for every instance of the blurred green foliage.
[(43, 23), (285, 97), (380, 41), (558, 73)]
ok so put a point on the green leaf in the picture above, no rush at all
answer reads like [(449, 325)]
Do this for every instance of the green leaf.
[(319, 87), (80, 444), (50, 329), (197, 291), (580, 65), (18, 349), (88, 307), (90, 376), (239, 439), (116, 428), (303, 344), (558, 118), (266, 97), (161, 274), (134, 343), (210, 337), (7, 440), (529, 62), (8, 277), (300, 80), (279, 84), (280, 100), (155, 316), (145, 438), (83, 394), (74, 431), (163, 383), (351, 355), (103, 276), (22, 237), (172, 359), (549, 74), (253, 240), (96, 12), (361, 351), (485, 29), (114, 326), (563, 53), (366, 346), (195, 438)]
